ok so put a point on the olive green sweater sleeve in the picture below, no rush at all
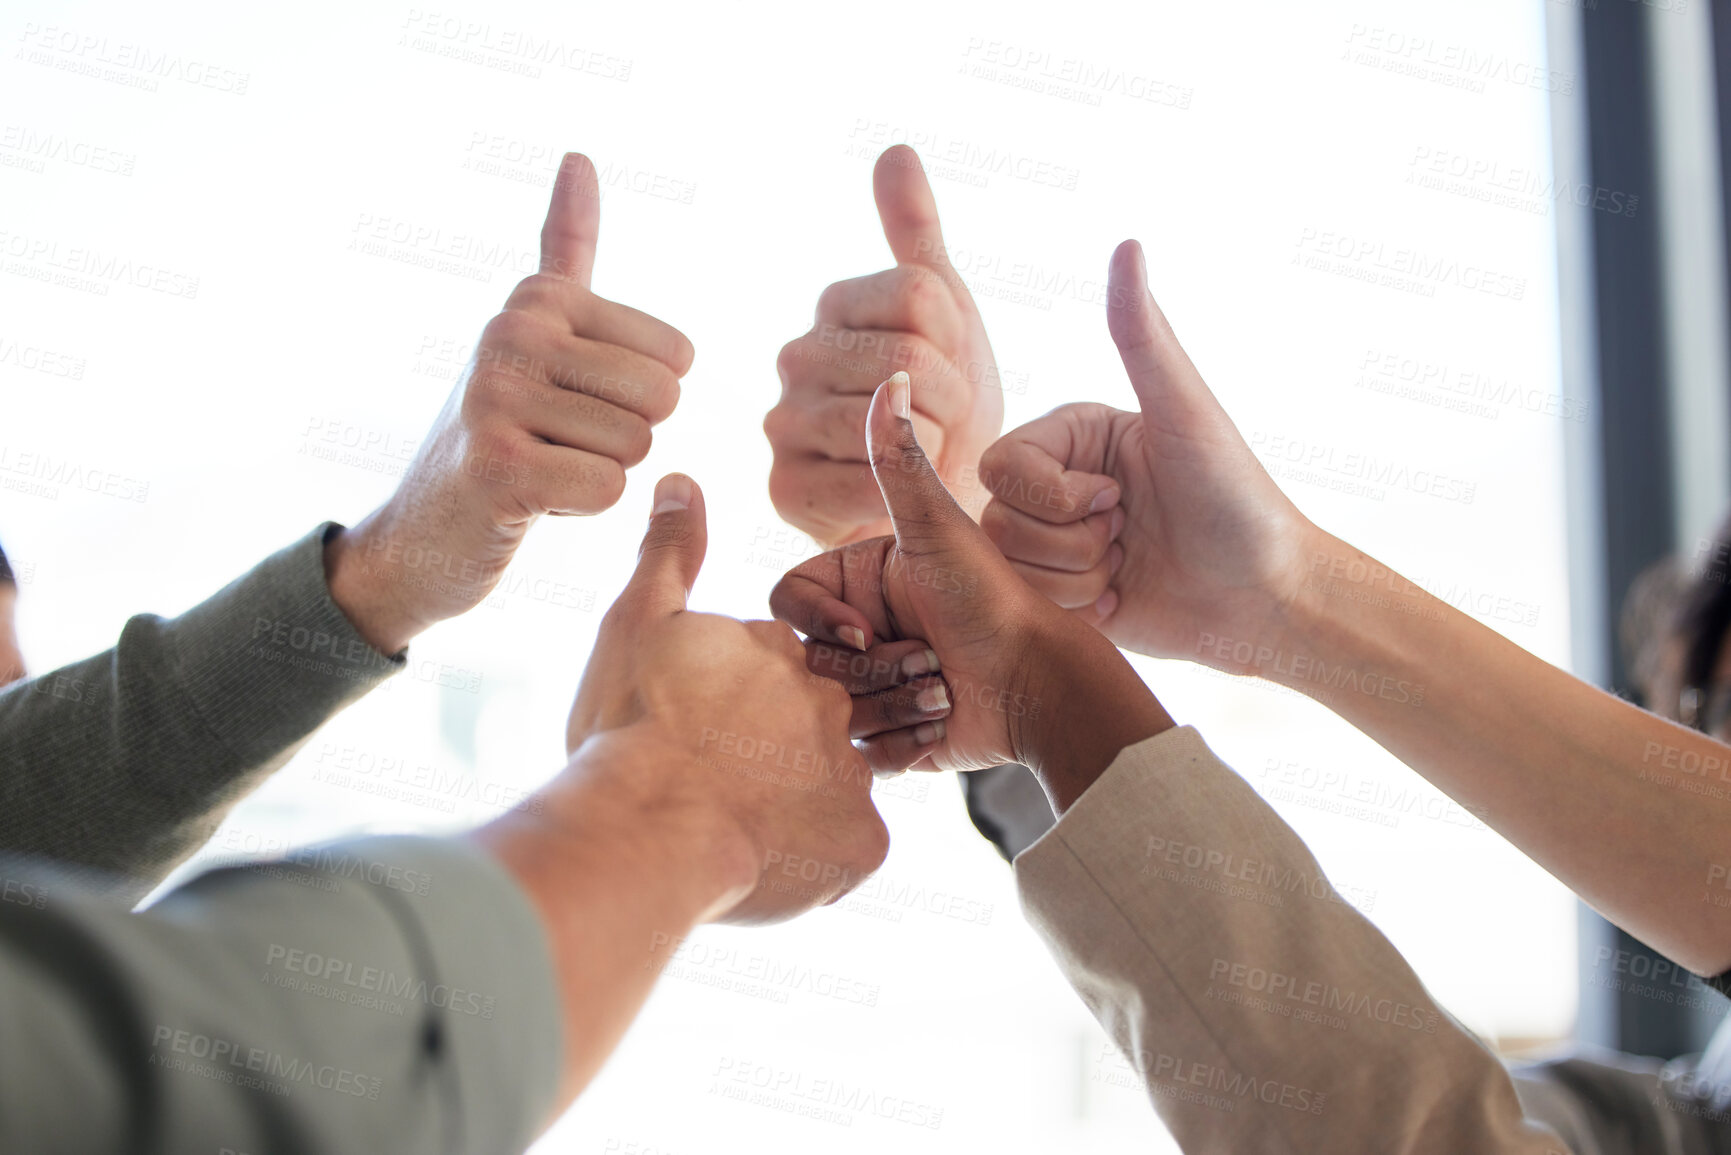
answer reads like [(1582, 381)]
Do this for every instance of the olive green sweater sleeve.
[(127, 761), (381, 995)]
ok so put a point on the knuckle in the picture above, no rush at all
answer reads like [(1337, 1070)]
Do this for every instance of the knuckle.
[(779, 422), (677, 353), (508, 332), (531, 293), (996, 455), (666, 403), (660, 391), (922, 294), (792, 362), (787, 488), (831, 301), (484, 396), (994, 519), (1093, 551), (607, 480), (639, 438)]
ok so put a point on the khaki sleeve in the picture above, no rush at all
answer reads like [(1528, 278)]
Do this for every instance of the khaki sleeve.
[(1262, 1012)]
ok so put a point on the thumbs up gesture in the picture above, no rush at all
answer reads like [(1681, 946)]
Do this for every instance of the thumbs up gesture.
[(917, 317), (732, 741), (556, 405), (1023, 681), (1159, 526)]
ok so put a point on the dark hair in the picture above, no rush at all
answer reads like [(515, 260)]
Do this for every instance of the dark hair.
[(6, 578), (1705, 613)]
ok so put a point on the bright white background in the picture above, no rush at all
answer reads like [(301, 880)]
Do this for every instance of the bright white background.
[(735, 144)]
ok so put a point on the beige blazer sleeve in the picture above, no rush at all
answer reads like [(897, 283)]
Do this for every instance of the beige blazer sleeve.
[(1263, 1013)]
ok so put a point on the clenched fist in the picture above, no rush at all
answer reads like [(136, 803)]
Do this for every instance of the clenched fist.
[(917, 317), (556, 405)]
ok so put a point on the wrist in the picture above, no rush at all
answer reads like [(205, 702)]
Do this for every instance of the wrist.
[(1086, 705), (367, 587), (1339, 617)]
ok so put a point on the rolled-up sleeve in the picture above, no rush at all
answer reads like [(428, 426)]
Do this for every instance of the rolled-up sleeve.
[(380, 995), (1260, 1010)]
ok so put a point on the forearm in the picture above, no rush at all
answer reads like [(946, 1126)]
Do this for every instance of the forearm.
[(1087, 704), (619, 876), (1539, 755), (127, 761)]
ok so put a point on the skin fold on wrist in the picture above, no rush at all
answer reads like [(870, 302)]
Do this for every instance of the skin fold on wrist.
[(372, 602)]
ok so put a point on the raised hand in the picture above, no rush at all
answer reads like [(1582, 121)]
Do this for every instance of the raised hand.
[(1018, 672), (1158, 526), (734, 741), (917, 317), (556, 405)]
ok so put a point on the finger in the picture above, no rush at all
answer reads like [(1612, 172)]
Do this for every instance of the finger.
[(908, 210), (884, 666), (899, 707), (554, 478), (807, 599), (818, 363), (525, 352), (905, 299), (573, 223), (616, 374), (1074, 548), (924, 513), (1072, 590), (1026, 470), (837, 597), (1166, 382), (901, 749), (834, 428), (574, 421), (672, 550), (609, 322)]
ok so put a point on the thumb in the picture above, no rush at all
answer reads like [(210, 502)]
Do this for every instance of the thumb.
[(672, 550), (924, 514), (573, 222), (908, 210), (1166, 383)]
